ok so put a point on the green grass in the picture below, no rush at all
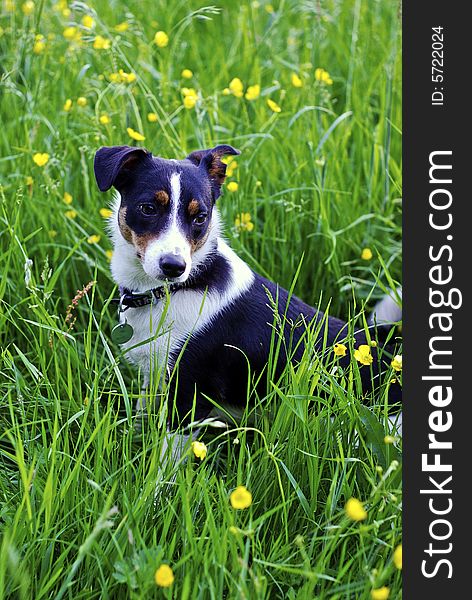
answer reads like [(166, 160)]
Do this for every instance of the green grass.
[(84, 512)]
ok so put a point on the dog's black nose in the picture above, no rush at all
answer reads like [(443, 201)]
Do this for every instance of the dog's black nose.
[(172, 266)]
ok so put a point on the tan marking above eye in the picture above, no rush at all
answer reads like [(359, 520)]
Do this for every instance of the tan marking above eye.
[(193, 208), (162, 197)]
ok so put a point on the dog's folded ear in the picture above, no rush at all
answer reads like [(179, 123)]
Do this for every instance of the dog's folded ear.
[(113, 165), (210, 161)]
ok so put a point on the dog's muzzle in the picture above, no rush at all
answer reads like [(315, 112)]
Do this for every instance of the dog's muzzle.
[(172, 265)]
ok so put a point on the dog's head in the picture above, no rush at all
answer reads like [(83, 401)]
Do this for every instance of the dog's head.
[(166, 205)]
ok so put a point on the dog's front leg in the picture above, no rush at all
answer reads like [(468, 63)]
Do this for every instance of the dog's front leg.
[(174, 445), (140, 406), (173, 449)]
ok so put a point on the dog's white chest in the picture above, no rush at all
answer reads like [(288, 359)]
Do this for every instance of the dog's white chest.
[(160, 330)]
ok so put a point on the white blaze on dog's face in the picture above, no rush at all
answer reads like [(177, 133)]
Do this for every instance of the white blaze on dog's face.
[(169, 255), (166, 210)]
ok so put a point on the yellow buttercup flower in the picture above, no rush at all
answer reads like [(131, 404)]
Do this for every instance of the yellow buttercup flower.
[(68, 105), (109, 254), (88, 22), (164, 576), (39, 44), (363, 355), (129, 77), (253, 92), (93, 239), (135, 135), (82, 101), (397, 362), (232, 186), (152, 117), (71, 214), (190, 101), (296, 80), (106, 213), (240, 498), (366, 254), (72, 34), (104, 119), (236, 87), (339, 350), (243, 222), (69, 32), (355, 510), (381, 593), (161, 39), (199, 449), (274, 107), (231, 167), (62, 7), (323, 76), (190, 97), (226, 92), (122, 77), (67, 198), (187, 74), (101, 43), (28, 8), (122, 27), (40, 158), (398, 557)]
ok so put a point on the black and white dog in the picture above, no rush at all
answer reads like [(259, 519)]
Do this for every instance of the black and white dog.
[(202, 306)]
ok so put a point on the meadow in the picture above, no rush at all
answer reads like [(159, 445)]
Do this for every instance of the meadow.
[(310, 92)]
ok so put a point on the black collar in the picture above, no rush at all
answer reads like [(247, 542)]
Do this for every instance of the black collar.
[(130, 299)]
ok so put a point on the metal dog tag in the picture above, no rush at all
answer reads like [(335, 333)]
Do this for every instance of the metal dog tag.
[(122, 333)]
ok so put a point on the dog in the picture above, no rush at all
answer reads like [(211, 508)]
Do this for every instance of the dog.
[(190, 303)]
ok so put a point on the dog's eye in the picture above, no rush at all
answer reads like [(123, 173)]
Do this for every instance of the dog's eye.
[(200, 219), (148, 209)]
